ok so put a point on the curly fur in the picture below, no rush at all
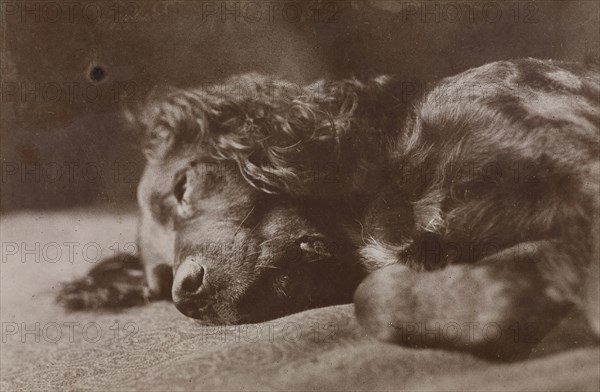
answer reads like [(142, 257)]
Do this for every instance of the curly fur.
[(278, 133), (469, 206)]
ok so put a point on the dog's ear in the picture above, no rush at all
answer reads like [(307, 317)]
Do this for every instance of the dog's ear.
[(317, 140), (213, 118)]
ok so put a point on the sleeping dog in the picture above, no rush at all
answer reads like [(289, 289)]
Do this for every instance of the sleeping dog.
[(477, 205)]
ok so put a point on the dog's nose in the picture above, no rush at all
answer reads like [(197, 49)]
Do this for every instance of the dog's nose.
[(189, 279), (194, 280)]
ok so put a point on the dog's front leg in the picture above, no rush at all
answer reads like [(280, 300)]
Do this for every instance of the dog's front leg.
[(116, 282), (498, 307)]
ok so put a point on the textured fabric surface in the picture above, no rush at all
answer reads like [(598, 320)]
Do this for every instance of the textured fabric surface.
[(155, 348)]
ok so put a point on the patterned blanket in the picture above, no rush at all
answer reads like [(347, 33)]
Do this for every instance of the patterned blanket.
[(155, 348)]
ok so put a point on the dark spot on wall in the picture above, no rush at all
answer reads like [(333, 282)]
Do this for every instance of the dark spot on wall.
[(97, 74)]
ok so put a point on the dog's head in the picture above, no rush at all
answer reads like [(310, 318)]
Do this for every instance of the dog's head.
[(252, 177), (242, 255)]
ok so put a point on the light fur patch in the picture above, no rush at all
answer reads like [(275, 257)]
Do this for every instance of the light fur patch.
[(556, 107), (428, 213), (377, 254), (565, 78)]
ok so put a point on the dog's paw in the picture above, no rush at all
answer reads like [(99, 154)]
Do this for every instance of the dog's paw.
[(114, 283), (459, 307), (87, 293)]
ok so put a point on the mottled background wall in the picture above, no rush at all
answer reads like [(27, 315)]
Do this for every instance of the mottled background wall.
[(68, 68)]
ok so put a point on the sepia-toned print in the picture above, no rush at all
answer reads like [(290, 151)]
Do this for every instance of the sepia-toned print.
[(294, 195)]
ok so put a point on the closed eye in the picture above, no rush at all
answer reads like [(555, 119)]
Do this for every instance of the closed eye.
[(180, 188)]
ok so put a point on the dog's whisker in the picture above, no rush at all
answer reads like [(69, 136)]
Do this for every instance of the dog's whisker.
[(362, 231), (270, 239), (244, 220), (268, 266)]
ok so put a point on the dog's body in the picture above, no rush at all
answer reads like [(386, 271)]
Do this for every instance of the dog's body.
[(477, 207), (498, 169)]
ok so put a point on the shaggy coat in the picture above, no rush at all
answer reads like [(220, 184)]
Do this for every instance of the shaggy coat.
[(477, 205)]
